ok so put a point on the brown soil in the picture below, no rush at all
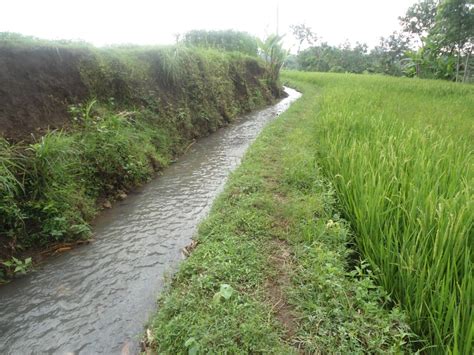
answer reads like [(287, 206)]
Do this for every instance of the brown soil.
[(36, 87), (281, 260)]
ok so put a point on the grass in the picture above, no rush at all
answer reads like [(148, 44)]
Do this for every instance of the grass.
[(270, 272), (399, 154)]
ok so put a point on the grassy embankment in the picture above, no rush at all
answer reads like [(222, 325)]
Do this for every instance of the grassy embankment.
[(397, 156), (141, 106), (270, 272)]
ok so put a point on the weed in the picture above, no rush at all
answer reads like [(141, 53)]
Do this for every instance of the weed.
[(17, 266)]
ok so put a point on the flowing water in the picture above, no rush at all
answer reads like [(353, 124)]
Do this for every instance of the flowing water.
[(97, 298)]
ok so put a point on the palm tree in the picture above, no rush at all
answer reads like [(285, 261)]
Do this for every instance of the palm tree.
[(274, 55)]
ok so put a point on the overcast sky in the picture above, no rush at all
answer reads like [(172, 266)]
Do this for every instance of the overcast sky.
[(104, 22)]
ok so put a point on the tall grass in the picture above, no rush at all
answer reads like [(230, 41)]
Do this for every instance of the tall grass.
[(8, 165), (11, 164), (400, 156)]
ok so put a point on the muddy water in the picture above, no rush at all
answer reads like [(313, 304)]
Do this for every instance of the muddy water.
[(97, 298)]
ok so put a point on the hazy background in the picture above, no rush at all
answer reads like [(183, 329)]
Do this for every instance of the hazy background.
[(104, 22)]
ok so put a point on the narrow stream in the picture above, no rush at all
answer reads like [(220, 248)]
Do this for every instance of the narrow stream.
[(97, 298)]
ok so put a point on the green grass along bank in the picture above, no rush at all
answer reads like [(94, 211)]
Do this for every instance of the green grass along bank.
[(277, 269), (119, 116)]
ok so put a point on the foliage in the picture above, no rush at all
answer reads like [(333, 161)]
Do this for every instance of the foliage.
[(276, 197), (54, 207), (17, 266), (445, 30), (420, 19), (228, 40), (385, 58), (436, 41), (399, 155), (274, 55), (12, 39), (388, 57), (303, 33)]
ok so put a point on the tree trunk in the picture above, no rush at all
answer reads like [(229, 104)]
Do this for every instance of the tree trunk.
[(458, 63), (466, 67)]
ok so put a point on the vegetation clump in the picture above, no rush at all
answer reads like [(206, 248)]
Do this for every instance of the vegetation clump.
[(227, 40)]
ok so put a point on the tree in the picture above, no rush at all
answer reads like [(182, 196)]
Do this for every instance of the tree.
[(274, 55), (303, 33), (445, 32), (389, 54), (420, 19), (419, 22), (454, 30)]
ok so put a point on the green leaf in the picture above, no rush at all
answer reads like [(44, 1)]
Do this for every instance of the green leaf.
[(226, 291), (189, 342), (192, 345), (217, 297), (8, 263)]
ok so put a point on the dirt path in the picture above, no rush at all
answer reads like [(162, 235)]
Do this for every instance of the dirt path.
[(275, 288)]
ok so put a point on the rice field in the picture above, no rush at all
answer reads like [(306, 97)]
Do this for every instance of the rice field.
[(399, 154)]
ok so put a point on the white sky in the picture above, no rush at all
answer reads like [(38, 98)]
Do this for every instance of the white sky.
[(104, 22)]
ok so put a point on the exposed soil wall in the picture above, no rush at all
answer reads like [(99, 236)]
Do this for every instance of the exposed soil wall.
[(39, 83), (36, 87)]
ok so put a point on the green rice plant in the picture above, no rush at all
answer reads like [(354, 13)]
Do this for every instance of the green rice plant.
[(399, 154)]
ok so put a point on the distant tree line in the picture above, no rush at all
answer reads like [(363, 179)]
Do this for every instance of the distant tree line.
[(436, 40), (227, 40)]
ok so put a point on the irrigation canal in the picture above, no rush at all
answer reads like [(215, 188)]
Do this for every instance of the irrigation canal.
[(97, 298)]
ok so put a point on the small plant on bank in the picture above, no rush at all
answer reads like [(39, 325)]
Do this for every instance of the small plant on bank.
[(17, 266)]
